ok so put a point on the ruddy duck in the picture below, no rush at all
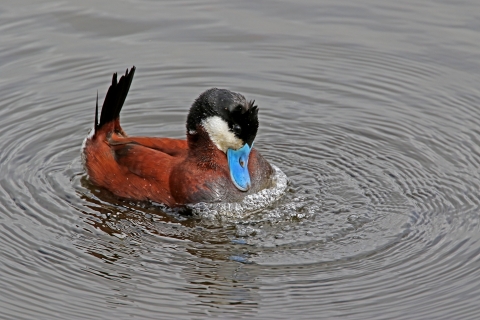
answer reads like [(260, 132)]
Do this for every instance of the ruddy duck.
[(216, 163)]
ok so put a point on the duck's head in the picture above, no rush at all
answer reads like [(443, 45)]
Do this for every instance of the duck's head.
[(231, 124)]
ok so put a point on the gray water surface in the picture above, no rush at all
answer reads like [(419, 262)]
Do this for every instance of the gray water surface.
[(369, 107)]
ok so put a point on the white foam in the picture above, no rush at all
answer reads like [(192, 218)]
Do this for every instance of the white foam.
[(251, 204), (90, 135)]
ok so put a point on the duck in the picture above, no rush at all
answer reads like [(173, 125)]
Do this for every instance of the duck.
[(215, 163)]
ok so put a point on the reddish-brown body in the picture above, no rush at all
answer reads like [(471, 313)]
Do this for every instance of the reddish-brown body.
[(170, 171)]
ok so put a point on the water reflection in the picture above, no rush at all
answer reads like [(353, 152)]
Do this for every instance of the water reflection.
[(210, 264), (370, 108)]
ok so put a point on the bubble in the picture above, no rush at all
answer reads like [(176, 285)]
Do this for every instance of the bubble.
[(251, 204)]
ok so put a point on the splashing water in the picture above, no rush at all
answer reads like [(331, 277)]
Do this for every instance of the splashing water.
[(251, 204)]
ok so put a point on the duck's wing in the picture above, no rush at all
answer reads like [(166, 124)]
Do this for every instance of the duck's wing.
[(172, 147), (147, 157)]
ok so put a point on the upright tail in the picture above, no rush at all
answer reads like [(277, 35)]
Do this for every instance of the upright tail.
[(116, 95)]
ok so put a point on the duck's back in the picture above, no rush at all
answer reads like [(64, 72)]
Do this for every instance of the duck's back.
[(134, 168)]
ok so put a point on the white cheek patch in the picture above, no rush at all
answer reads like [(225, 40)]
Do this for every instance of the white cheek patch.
[(221, 135)]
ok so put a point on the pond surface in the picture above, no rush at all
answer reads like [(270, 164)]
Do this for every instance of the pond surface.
[(369, 107)]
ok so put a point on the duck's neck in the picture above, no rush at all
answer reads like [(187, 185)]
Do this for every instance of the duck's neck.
[(203, 150)]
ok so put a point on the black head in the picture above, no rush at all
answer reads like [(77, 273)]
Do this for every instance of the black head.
[(240, 116)]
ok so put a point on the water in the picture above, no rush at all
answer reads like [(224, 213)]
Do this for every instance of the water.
[(369, 107)]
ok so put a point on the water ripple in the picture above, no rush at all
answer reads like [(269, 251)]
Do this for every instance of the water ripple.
[(369, 109)]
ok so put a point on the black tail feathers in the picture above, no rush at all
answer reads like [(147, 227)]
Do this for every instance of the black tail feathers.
[(116, 95)]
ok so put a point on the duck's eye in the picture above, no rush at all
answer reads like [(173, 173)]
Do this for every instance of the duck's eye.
[(236, 128)]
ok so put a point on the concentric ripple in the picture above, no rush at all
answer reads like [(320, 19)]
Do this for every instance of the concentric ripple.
[(369, 109)]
